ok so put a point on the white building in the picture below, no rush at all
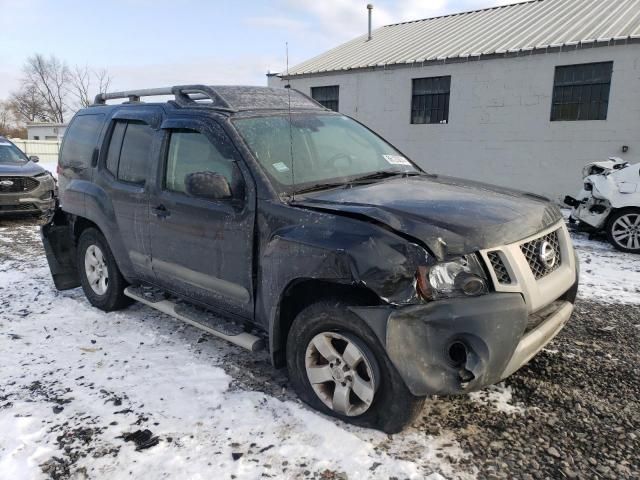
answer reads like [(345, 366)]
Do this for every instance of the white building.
[(45, 131), (520, 95)]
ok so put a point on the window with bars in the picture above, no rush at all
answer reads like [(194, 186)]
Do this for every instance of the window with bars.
[(581, 92), (326, 96), (430, 100)]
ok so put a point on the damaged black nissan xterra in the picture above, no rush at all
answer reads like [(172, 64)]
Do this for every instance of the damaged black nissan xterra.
[(257, 214)]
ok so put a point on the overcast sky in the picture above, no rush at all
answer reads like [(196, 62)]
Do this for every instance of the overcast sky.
[(150, 43)]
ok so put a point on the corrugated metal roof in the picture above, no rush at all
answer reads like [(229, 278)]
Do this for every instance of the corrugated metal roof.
[(508, 29)]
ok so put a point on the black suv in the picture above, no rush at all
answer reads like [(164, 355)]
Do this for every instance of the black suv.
[(257, 214), (25, 188)]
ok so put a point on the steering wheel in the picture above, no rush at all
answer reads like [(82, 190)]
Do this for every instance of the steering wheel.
[(337, 163)]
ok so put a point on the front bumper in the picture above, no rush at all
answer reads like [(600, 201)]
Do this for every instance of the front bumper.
[(492, 328), (41, 200)]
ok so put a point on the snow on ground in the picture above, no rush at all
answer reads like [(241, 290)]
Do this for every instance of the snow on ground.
[(72, 375), (607, 275), (498, 397)]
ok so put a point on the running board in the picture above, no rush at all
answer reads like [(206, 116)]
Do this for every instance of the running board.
[(196, 317)]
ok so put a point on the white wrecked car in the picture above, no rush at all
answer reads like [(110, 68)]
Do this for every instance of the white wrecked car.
[(610, 201)]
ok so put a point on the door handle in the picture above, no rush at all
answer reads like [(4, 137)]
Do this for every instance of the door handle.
[(160, 211)]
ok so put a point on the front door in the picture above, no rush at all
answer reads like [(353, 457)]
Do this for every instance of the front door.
[(202, 247)]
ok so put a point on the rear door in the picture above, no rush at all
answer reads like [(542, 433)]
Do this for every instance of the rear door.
[(132, 149), (203, 248)]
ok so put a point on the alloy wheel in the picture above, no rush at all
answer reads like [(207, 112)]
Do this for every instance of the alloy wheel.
[(341, 372), (625, 231), (95, 267)]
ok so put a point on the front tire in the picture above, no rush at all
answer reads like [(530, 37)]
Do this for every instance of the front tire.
[(337, 366), (623, 230), (101, 280)]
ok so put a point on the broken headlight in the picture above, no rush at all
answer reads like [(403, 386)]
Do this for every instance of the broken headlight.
[(462, 277)]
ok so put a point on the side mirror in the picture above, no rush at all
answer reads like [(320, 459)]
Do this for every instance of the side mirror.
[(209, 185), (34, 158)]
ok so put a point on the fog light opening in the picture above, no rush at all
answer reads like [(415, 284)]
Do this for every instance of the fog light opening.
[(473, 286), (458, 353)]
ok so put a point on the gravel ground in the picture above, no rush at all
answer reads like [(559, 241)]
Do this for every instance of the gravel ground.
[(579, 415), (573, 412)]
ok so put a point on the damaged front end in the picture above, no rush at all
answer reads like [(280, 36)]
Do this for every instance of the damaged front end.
[(607, 186), (452, 346), (472, 328)]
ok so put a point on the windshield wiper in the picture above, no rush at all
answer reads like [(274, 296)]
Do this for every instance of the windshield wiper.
[(362, 179), (382, 174), (318, 186)]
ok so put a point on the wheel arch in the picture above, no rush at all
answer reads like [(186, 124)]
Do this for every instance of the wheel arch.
[(81, 223), (301, 293)]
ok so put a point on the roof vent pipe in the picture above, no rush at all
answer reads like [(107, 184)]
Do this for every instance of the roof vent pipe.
[(370, 8)]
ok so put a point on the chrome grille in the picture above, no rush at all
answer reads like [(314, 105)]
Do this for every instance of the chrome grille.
[(499, 268), (18, 184), (532, 254)]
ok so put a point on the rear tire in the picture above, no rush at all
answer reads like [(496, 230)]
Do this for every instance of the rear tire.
[(623, 230), (357, 363), (101, 280)]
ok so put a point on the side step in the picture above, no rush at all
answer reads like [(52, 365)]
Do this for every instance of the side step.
[(197, 317)]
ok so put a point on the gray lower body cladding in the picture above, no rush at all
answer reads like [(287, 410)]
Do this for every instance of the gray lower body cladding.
[(461, 345), (37, 201)]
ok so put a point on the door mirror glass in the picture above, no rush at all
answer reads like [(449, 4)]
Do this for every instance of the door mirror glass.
[(34, 158), (208, 185)]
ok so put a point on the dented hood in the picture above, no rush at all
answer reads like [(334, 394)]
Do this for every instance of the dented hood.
[(449, 215)]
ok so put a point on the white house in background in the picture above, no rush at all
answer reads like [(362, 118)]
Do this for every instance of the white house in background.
[(520, 95), (45, 131)]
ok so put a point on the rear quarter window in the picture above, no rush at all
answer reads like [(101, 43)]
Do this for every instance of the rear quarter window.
[(80, 140)]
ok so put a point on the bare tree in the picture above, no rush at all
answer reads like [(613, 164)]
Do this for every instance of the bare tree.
[(8, 125), (50, 77), (50, 89), (82, 81), (28, 106), (6, 117), (104, 80)]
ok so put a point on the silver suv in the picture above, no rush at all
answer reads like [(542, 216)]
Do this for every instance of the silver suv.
[(25, 188)]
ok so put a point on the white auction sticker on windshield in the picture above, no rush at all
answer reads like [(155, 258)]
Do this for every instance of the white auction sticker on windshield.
[(5, 144), (281, 167), (396, 160)]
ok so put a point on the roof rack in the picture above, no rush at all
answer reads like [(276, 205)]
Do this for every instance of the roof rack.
[(185, 96)]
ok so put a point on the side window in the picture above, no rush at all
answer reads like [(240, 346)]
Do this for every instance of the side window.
[(115, 144), (190, 152), (134, 154), (81, 140)]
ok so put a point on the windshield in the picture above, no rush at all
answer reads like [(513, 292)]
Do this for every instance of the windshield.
[(10, 154), (327, 150)]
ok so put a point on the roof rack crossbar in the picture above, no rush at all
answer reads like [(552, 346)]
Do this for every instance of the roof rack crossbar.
[(185, 95)]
